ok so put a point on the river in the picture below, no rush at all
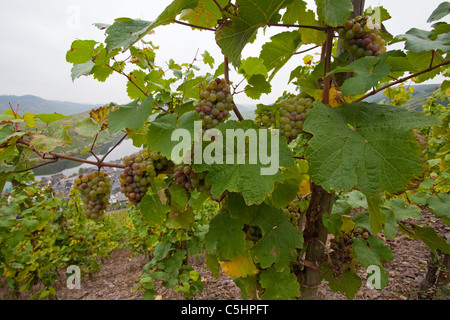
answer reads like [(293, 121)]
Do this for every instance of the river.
[(125, 148)]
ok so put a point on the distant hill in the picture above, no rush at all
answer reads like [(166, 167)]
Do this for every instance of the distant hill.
[(39, 105), (419, 97)]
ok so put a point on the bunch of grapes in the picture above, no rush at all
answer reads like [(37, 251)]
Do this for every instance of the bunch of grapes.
[(265, 119), (341, 256), (215, 104), (94, 188), (140, 170), (185, 177), (292, 213), (362, 38), (292, 115)]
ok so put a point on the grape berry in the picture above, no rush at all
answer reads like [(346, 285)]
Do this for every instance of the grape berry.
[(265, 119), (140, 170), (185, 177), (94, 188), (362, 38), (215, 104), (293, 114)]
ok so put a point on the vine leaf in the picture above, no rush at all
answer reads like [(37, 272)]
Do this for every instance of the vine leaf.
[(279, 285), (240, 267), (441, 11), (205, 14), (429, 236), (280, 239), (246, 178), (334, 12), (225, 237), (418, 41), (49, 118), (81, 51), (440, 206), (279, 50), (130, 116), (348, 284), (101, 116), (124, 32), (364, 145), (369, 71), (161, 129), (372, 253), (251, 15), (153, 210)]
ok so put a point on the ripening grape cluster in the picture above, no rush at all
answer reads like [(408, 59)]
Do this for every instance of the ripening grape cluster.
[(140, 169), (292, 213), (185, 177), (94, 188), (362, 38), (292, 115), (215, 104), (265, 119), (341, 254)]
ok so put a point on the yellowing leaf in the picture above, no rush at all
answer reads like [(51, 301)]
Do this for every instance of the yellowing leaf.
[(240, 267), (347, 224), (101, 116), (305, 187)]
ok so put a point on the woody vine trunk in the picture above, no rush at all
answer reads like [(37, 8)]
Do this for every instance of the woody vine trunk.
[(315, 233)]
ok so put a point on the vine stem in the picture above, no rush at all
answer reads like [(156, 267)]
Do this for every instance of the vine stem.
[(227, 78), (328, 49), (193, 25), (297, 26), (401, 80)]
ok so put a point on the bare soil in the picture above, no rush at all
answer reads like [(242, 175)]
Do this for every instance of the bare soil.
[(120, 272)]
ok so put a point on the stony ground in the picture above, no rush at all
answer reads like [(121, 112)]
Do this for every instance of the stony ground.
[(119, 273)]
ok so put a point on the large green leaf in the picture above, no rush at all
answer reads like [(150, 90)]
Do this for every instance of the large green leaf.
[(251, 15), (225, 237), (440, 206), (130, 116), (81, 51), (205, 14), (279, 50), (334, 12), (348, 284), (429, 236), (153, 210), (441, 11), (369, 71), (418, 41), (246, 178), (124, 32), (279, 285), (372, 253), (159, 137), (364, 145)]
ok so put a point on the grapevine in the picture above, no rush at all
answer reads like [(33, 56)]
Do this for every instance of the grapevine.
[(292, 113), (215, 104), (140, 170), (185, 177), (94, 188), (362, 38)]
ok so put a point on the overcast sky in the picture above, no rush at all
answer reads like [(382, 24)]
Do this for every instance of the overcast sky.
[(35, 36)]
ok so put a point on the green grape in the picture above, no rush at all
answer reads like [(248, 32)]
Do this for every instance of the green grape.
[(185, 177), (215, 103), (140, 170), (94, 188), (293, 112), (362, 38)]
